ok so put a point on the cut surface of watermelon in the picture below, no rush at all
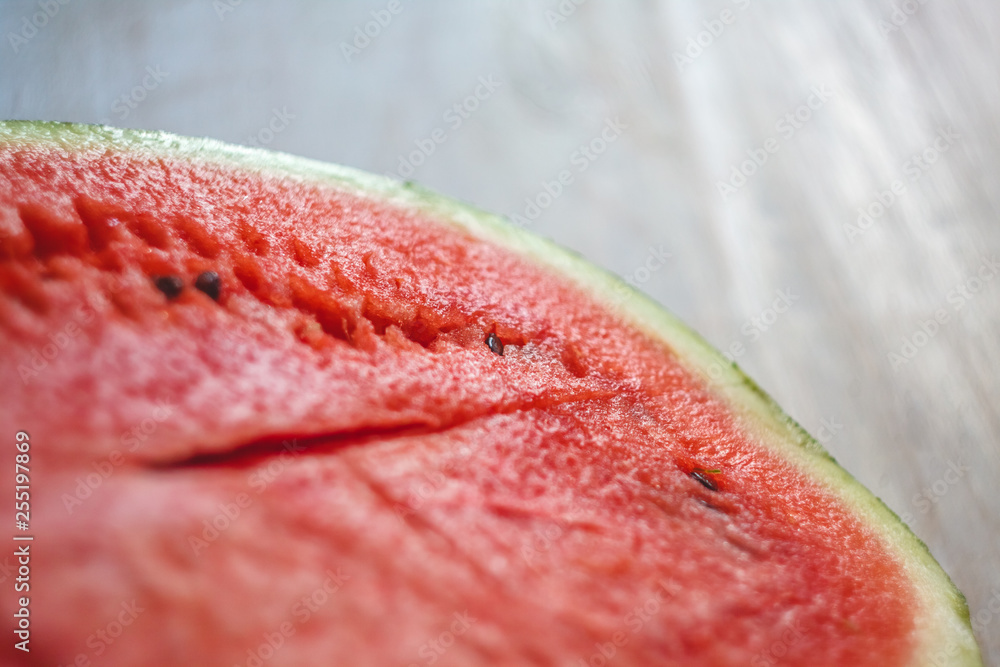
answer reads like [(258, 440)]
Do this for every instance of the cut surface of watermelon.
[(287, 413)]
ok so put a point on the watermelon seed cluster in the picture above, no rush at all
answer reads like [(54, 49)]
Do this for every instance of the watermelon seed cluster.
[(207, 282), (174, 251)]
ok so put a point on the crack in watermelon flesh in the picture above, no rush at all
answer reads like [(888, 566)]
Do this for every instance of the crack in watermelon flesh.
[(329, 465)]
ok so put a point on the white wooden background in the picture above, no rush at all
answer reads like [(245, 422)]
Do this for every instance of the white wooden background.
[(279, 74)]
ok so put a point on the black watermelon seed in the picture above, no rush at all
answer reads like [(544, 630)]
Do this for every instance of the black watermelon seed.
[(706, 481), (209, 283), (711, 506), (171, 286), (495, 344)]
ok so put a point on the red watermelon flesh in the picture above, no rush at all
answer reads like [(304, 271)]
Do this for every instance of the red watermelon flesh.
[(323, 456)]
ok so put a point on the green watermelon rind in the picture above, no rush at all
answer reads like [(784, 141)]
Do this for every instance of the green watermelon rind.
[(943, 628)]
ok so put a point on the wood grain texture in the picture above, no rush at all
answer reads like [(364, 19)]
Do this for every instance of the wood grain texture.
[(882, 94)]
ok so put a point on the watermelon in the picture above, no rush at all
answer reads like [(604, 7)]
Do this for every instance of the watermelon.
[(279, 412)]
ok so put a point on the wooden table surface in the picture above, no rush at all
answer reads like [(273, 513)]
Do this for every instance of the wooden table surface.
[(838, 162)]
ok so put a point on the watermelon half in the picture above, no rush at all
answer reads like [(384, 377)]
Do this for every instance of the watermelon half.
[(286, 413)]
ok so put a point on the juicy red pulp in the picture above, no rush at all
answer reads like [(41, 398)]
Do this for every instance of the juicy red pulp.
[(556, 494)]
